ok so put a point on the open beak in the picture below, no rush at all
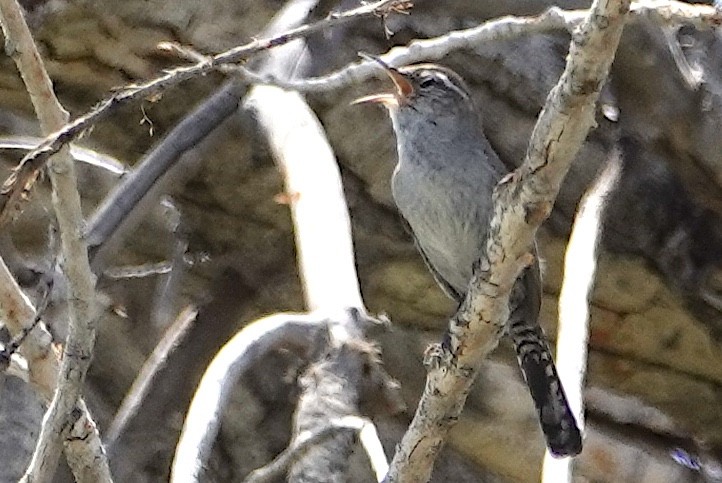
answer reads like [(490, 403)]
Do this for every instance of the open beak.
[(403, 88)]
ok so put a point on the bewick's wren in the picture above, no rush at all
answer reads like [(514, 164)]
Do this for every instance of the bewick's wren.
[(443, 186)]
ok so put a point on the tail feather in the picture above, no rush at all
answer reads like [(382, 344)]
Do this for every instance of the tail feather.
[(537, 365)]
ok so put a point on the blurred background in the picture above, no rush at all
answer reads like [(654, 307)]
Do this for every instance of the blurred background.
[(216, 234)]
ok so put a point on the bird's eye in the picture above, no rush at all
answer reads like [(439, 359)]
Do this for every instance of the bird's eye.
[(427, 82)]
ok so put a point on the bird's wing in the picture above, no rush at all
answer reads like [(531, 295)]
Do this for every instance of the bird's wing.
[(445, 286)]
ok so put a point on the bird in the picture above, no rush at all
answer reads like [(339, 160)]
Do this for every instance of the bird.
[(442, 185)]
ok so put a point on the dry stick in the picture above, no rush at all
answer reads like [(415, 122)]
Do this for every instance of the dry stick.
[(139, 389), (369, 439), (79, 153), (78, 348), (236, 356), (112, 219), (84, 450), (504, 28), (21, 180), (325, 257), (521, 202), (573, 328)]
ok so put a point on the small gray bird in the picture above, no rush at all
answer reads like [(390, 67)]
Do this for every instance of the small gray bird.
[(443, 186)]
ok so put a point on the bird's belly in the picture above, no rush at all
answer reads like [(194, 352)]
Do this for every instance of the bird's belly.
[(450, 247), (448, 230)]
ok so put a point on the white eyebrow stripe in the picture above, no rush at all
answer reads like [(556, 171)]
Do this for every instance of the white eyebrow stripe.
[(449, 83)]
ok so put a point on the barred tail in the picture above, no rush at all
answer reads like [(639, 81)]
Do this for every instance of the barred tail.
[(535, 360)]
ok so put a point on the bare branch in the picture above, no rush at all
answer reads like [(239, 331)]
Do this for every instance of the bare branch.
[(23, 177), (504, 28), (325, 256), (521, 202), (369, 438), (85, 452), (139, 390), (60, 418), (298, 331), (79, 153), (580, 263), (333, 386)]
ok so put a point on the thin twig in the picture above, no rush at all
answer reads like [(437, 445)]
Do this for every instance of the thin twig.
[(78, 349), (521, 203), (79, 153), (112, 219), (139, 389), (22, 179), (500, 29), (369, 438), (580, 263)]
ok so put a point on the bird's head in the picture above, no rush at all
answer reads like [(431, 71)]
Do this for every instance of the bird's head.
[(424, 89)]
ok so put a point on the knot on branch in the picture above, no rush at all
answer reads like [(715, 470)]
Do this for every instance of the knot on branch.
[(536, 212), (437, 356)]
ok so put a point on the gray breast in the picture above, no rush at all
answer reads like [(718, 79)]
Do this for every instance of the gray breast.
[(448, 211)]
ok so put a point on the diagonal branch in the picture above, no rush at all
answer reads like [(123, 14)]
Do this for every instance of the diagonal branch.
[(666, 12), (521, 202), (23, 178)]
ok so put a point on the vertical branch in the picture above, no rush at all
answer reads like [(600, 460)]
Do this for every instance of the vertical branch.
[(313, 183), (580, 263), (333, 386), (78, 349)]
